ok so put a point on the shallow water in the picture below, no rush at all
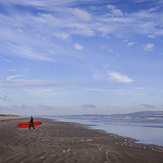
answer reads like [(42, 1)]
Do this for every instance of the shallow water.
[(148, 130)]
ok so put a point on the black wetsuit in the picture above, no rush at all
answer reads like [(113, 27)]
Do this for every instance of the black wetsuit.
[(31, 124)]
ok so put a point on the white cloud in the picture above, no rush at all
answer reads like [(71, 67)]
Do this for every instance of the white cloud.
[(125, 40), (24, 32), (38, 83), (6, 60), (46, 16), (12, 70), (148, 47), (82, 30), (14, 76), (20, 30), (120, 78), (102, 47), (78, 46), (131, 43), (109, 50), (83, 15), (26, 69), (28, 52), (52, 52), (62, 35), (151, 36), (40, 92), (114, 11), (98, 76)]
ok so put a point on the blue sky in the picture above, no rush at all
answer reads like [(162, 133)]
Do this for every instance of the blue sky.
[(81, 57)]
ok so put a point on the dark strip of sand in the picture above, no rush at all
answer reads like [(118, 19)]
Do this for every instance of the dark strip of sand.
[(62, 142)]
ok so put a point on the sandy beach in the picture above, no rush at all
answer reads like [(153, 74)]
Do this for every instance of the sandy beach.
[(4, 117), (63, 142)]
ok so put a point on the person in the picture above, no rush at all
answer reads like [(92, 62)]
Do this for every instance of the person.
[(31, 123)]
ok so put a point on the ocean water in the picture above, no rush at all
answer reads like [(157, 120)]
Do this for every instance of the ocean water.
[(146, 129)]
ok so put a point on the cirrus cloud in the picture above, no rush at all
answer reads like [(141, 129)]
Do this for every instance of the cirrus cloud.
[(80, 14), (119, 77), (14, 76), (39, 83)]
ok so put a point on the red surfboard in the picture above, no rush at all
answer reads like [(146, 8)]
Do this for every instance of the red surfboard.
[(26, 124)]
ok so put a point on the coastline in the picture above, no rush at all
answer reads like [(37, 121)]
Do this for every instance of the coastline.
[(68, 142), (143, 134)]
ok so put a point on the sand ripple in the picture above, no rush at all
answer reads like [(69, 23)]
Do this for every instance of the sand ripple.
[(60, 142)]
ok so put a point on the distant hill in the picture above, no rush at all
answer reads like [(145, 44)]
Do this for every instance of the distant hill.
[(142, 113)]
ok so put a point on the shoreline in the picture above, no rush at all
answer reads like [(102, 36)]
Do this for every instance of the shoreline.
[(69, 142), (134, 132)]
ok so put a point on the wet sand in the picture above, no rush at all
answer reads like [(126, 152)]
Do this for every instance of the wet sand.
[(63, 142)]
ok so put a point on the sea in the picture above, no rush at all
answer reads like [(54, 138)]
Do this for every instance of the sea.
[(145, 129)]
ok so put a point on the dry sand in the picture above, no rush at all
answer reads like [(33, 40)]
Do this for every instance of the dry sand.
[(4, 117), (62, 142)]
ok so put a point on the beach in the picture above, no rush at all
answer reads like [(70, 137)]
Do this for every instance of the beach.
[(66, 142), (4, 117)]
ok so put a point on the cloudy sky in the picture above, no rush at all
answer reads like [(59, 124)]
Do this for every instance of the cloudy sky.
[(81, 57)]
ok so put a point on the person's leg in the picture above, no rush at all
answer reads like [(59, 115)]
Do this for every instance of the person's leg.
[(33, 127), (29, 126)]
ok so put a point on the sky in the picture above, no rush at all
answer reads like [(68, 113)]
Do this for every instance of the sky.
[(81, 57)]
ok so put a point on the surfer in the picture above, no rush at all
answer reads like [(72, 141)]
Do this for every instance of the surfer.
[(31, 123)]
